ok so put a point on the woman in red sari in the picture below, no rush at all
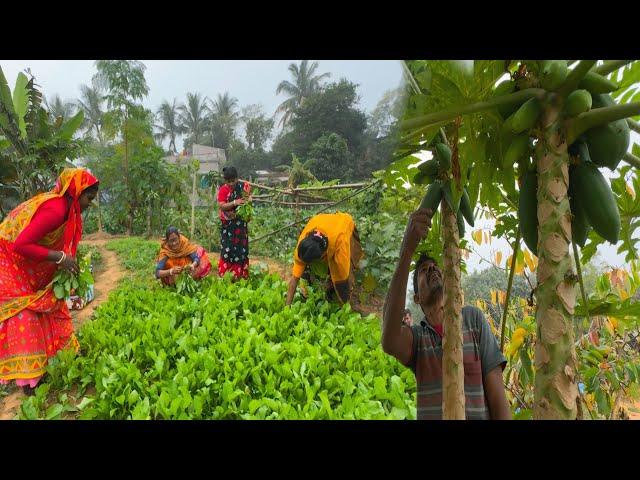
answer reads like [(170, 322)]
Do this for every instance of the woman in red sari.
[(234, 234), (37, 238)]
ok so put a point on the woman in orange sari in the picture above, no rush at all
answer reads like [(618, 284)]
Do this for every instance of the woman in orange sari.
[(37, 238), (177, 253)]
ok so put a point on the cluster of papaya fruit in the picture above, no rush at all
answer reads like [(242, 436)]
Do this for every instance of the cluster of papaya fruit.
[(592, 202), (435, 172)]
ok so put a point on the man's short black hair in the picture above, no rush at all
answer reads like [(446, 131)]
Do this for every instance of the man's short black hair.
[(423, 258)]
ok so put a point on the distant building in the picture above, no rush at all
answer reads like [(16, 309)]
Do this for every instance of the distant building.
[(266, 177), (211, 159)]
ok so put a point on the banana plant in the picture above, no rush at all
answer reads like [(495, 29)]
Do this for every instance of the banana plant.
[(33, 147)]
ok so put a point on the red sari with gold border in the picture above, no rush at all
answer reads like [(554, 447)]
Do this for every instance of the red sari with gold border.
[(34, 324)]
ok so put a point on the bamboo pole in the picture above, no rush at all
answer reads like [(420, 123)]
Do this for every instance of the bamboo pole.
[(319, 211)]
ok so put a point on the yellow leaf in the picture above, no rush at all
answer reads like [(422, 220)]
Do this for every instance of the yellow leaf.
[(519, 332), (614, 322), (508, 262), (630, 191), (502, 296), (529, 261), (514, 345), (477, 236), (485, 236), (498, 258), (494, 297), (623, 293)]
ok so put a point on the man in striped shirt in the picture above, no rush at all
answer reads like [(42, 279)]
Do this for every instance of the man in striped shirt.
[(420, 347)]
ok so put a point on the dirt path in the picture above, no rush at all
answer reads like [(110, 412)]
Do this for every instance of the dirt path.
[(106, 279), (274, 266)]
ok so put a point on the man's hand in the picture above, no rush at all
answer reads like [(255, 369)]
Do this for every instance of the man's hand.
[(417, 229), (175, 270)]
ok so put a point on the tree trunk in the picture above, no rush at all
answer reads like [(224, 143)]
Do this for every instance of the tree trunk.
[(453, 399), (99, 213), (193, 202), (126, 179), (149, 216), (555, 391)]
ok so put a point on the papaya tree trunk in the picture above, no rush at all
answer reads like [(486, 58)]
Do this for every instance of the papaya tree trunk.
[(453, 399), (555, 391)]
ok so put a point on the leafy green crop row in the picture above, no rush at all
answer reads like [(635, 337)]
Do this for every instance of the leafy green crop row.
[(232, 351)]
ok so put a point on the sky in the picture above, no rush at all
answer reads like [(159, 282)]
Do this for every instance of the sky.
[(250, 81)]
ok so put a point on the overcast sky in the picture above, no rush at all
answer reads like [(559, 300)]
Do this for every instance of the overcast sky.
[(250, 81)]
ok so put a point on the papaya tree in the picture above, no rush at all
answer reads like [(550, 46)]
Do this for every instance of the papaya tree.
[(33, 146), (447, 174), (553, 126)]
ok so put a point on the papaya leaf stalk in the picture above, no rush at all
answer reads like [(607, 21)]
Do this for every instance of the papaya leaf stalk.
[(599, 116), (451, 113)]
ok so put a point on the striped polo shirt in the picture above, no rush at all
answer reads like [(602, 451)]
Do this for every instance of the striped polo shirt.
[(481, 355)]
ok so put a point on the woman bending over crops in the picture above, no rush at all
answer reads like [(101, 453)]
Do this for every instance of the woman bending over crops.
[(178, 254), (37, 238), (328, 240), (234, 233)]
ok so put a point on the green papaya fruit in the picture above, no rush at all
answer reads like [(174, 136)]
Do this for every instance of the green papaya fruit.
[(460, 221), (580, 150), (526, 116), (580, 225), (443, 154), (553, 74), (528, 210), (578, 101), (432, 198), (594, 194), (465, 207), (448, 196), (597, 84), (517, 149), (430, 167), (607, 143), (505, 88), (421, 178)]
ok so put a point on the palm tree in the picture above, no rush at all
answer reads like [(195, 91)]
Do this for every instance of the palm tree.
[(223, 119), (192, 117), (169, 126), (91, 100), (304, 84), (60, 108)]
